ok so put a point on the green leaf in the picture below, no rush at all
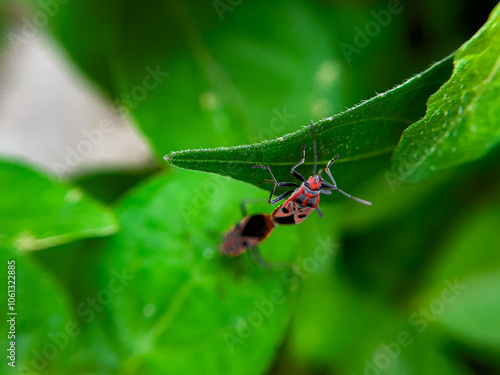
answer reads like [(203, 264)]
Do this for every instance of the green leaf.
[(473, 316), (75, 266), (38, 212), (478, 231), (94, 50), (144, 56), (182, 302), (464, 280), (462, 121), (109, 186), (45, 328), (254, 92), (334, 321), (324, 333), (362, 135)]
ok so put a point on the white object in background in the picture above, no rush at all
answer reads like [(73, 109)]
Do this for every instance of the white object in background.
[(52, 117)]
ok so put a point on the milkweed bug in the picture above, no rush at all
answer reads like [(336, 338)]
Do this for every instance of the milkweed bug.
[(305, 198), (252, 230), (247, 234)]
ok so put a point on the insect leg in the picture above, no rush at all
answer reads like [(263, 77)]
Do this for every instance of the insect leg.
[(243, 208), (334, 186), (314, 146), (257, 258), (276, 184), (354, 198), (319, 212), (282, 196), (327, 169), (293, 171)]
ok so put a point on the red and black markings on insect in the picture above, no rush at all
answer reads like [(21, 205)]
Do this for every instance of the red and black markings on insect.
[(248, 233), (303, 200)]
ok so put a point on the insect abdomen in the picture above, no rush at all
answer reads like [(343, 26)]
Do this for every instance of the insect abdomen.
[(249, 232), (256, 226)]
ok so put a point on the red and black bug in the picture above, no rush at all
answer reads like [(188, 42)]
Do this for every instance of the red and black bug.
[(247, 234), (304, 199), (252, 230)]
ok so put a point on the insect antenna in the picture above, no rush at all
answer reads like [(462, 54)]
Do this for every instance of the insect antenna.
[(314, 146)]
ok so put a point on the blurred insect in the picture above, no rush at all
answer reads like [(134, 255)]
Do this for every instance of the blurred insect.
[(304, 199), (247, 234), (250, 232)]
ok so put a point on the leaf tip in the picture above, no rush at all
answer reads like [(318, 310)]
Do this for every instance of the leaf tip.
[(168, 157)]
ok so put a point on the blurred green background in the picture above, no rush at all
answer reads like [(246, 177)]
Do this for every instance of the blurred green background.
[(117, 270)]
